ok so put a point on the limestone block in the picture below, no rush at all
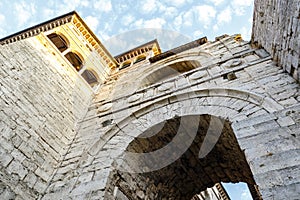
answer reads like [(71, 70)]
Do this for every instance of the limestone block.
[(5, 157), (40, 186), (85, 177), (17, 168), (198, 75), (165, 86), (88, 187), (43, 174), (285, 121), (30, 179), (19, 156)]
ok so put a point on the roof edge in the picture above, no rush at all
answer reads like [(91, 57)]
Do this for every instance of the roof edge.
[(178, 49), (155, 41), (39, 25)]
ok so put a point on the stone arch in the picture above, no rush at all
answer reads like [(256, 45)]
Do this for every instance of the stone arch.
[(190, 55), (188, 175), (185, 56), (220, 102), (169, 71), (125, 64), (75, 59), (142, 124), (139, 59), (60, 41)]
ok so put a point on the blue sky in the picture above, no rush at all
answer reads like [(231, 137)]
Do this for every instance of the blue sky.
[(237, 191), (122, 25), (110, 18)]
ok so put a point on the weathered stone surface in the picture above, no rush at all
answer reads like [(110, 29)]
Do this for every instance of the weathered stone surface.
[(37, 100), (276, 27), (52, 146)]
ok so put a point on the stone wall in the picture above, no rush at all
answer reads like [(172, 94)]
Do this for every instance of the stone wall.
[(276, 27), (40, 102), (232, 81), (271, 144), (54, 144)]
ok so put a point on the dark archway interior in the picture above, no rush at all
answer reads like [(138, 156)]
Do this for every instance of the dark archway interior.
[(170, 71), (188, 175)]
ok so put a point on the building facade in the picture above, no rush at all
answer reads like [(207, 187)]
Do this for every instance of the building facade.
[(78, 123)]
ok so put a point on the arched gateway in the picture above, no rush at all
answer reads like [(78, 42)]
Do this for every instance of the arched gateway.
[(179, 149), (148, 124), (175, 138)]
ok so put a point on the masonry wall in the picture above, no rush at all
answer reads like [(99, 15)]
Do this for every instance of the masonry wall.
[(271, 144), (40, 101), (276, 27), (122, 110)]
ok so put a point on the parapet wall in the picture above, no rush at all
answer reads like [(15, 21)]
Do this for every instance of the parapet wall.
[(276, 27), (40, 102)]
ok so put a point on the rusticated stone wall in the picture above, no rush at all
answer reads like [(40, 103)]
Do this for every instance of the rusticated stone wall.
[(55, 144), (231, 80), (40, 101), (276, 27)]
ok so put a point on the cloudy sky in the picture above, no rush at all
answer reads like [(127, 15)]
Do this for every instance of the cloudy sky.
[(122, 25), (111, 19)]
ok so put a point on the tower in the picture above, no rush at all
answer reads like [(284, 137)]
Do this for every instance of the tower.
[(69, 37)]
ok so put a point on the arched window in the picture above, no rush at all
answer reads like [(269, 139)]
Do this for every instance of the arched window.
[(90, 77), (75, 60), (125, 65), (139, 59), (59, 41)]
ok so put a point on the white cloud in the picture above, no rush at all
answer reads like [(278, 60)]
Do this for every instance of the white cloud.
[(240, 6), (24, 12), (188, 18), (242, 3), (103, 35), (92, 22), (152, 23), (103, 5), (121, 8), (246, 33), (246, 195), (216, 27), (205, 14), (250, 20), (67, 5), (48, 13), (224, 16), (107, 26), (128, 19), (85, 3), (178, 22), (2, 19), (216, 2), (170, 12), (149, 6), (177, 3), (197, 34)]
